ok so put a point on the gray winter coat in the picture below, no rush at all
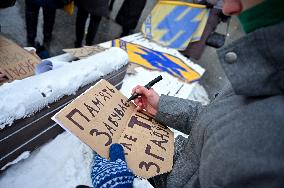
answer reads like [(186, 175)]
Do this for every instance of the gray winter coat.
[(238, 139)]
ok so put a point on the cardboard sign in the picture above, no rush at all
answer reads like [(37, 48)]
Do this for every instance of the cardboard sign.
[(85, 51), (15, 62), (101, 116)]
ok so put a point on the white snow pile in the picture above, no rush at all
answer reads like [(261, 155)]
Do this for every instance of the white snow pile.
[(22, 98)]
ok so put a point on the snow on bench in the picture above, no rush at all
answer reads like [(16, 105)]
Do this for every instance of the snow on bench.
[(22, 98)]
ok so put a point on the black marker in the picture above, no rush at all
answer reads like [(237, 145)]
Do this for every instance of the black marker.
[(147, 86)]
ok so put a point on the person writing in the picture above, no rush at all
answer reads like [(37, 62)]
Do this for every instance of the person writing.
[(237, 140)]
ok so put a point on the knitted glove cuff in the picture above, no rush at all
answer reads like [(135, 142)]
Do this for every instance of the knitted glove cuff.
[(113, 172)]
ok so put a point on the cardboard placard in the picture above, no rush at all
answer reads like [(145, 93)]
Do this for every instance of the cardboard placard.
[(15, 62), (84, 52), (101, 116)]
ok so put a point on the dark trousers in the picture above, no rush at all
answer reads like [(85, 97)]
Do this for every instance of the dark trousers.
[(195, 49), (129, 15), (81, 18), (111, 4), (31, 11)]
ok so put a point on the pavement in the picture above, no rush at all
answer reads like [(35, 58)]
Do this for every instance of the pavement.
[(12, 21)]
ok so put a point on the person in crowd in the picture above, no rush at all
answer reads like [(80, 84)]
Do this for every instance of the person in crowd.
[(32, 8), (237, 140), (195, 50), (129, 15), (96, 9)]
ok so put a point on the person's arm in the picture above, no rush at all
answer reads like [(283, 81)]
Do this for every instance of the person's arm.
[(177, 113), (170, 111)]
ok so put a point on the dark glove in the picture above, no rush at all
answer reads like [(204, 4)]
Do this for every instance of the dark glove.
[(113, 172)]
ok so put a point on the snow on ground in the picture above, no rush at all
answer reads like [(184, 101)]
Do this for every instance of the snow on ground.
[(63, 162)]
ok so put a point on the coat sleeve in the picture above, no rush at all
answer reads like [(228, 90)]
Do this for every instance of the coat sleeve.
[(243, 154), (177, 113)]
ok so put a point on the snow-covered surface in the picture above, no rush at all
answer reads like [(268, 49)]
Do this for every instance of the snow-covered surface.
[(65, 161), (29, 95)]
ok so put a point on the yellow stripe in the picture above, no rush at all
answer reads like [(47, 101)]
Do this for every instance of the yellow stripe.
[(181, 3)]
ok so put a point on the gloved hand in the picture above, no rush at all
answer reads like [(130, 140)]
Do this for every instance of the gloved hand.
[(113, 172)]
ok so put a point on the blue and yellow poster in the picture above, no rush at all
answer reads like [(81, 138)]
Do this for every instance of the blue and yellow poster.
[(174, 24), (156, 60)]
